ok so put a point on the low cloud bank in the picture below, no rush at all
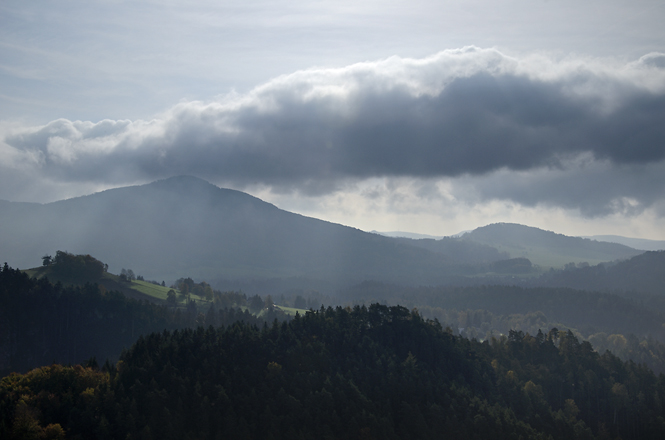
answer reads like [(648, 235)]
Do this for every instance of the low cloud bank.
[(580, 134)]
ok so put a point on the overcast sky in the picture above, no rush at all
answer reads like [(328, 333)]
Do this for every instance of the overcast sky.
[(423, 116)]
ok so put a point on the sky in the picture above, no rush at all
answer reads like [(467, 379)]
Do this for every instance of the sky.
[(431, 117)]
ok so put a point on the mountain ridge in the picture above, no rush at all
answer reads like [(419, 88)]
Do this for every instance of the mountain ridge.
[(187, 227), (547, 248), (643, 244), (213, 231)]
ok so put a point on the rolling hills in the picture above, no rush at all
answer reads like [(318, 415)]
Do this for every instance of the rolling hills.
[(636, 243), (545, 248), (186, 227)]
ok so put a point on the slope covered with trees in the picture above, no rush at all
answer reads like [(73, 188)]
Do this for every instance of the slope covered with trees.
[(590, 312), (630, 327), (375, 372), (41, 322), (644, 273)]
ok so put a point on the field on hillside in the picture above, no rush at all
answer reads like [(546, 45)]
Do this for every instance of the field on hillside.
[(291, 311), (112, 282), (150, 289), (160, 292)]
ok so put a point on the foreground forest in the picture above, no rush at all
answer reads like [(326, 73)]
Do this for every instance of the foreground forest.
[(42, 322), (463, 362), (361, 373)]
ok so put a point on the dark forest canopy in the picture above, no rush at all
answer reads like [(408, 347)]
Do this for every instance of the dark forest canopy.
[(367, 372), (589, 312), (642, 274), (630, 327), (68, 266)]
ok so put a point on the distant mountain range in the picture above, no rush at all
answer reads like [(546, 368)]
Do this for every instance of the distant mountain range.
[(643, 244), (546, 248), (412, 235), (187, 227), (544, 255), (184, 226), (636, 243)]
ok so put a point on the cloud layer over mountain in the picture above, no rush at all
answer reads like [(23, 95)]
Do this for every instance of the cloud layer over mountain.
[(573, 133)]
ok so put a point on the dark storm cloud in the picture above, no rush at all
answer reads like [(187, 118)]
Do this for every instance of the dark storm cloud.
[(471, 112), (593, 188)]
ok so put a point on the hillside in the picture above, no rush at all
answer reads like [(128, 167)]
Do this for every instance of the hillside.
[(368, 372), (185, 226), (545, 248), (464, 251), (63, 269), (643, 274)]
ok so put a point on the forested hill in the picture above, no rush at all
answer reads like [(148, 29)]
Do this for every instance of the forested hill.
[(465, 251), (186, 227), (546, 248), (636, 243), (641, 274), (377, 372)]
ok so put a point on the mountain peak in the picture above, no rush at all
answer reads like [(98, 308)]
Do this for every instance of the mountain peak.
[(183, 182), (183, 179)]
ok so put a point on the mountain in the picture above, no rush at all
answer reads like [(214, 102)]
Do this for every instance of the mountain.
[(546, 248), (636, 243), (185, 226)]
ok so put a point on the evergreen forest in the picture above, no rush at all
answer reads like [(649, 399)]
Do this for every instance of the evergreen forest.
[(83, 362), (368, 372)]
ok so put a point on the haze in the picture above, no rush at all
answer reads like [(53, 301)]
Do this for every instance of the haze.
[(428, 117)]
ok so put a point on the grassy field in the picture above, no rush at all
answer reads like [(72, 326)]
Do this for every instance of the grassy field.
[(35, 272), (150, 289), (144, 289), (291, 311), (160, 292)]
